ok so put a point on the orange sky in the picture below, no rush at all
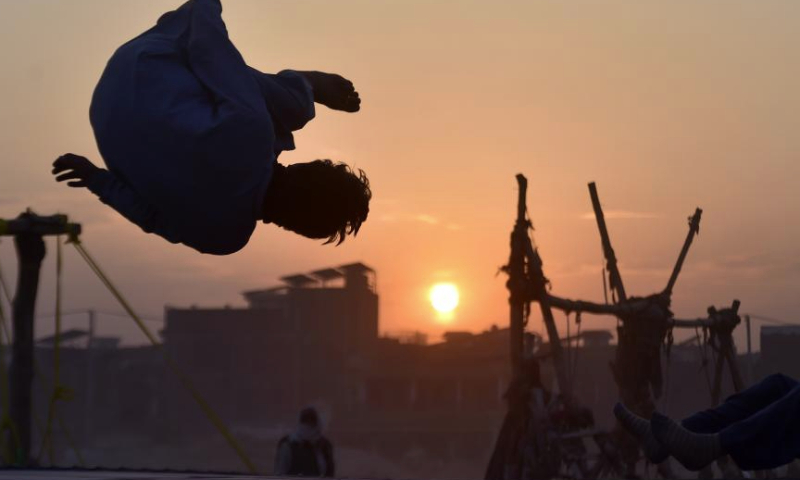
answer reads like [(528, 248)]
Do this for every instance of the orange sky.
[(666, 106)]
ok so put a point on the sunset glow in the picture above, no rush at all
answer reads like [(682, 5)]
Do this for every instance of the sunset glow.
[(627, 94), (444, 297)]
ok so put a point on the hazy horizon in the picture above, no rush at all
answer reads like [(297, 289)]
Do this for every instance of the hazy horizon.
[(666, 106)]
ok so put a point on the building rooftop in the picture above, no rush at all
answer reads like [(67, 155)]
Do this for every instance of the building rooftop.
[(781, 330), (327, 274), (299, 280)]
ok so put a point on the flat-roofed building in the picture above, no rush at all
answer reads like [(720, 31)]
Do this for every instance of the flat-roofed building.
[(291, 346)]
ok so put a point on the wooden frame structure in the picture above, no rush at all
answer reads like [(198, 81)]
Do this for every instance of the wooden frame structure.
[(645, 325), (28, 230)]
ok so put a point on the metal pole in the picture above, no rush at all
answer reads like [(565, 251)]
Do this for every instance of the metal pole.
[(749, 352), (30, 252), (89, 402)]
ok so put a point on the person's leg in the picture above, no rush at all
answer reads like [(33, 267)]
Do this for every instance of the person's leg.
[(640, 429), (768, 439), (693, 450), (216, 62), (740, 406)]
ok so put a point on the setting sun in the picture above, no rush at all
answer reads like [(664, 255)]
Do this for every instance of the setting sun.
[(444, 297)]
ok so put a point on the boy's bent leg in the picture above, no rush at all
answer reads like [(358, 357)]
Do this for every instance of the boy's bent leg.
[(767, 439), (740, 406), (216, 61)]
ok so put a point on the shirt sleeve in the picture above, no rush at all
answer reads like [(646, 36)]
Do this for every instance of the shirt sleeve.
[(119, 196)]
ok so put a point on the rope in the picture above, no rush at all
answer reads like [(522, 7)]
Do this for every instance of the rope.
[(7, 295), (59, 391), (569, 351), (574, 373), (6, 424), (667, 388), (701, 345), (184, 379), (70, 441), (40, 427), (7, 427)]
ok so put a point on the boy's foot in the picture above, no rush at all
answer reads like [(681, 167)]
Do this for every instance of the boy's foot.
[(640, 428), (694, 450), (334, 91)]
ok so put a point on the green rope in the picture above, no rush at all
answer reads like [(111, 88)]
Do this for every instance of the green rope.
[(12, 452), (60, 392), (57, 393), (7, 296), (6, 425), (182, 378), (71, 441)]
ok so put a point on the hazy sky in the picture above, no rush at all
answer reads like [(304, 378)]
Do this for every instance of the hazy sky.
[(667, 105)]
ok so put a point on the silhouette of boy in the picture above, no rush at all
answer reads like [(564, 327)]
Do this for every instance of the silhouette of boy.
[(190, 135)]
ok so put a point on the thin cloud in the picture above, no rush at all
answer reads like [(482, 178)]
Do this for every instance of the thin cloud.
[(622, 215), (423, 218), (429, 219), (754, 265)]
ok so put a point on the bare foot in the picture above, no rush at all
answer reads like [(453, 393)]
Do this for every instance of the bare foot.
[(334, 91)]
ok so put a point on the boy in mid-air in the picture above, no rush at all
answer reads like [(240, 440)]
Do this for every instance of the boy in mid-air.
[(190, 135)]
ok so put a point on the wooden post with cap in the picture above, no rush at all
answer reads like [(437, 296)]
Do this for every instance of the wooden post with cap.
[(28, 230)]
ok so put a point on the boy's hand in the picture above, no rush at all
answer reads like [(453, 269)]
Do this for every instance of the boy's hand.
[(334, 91), (75, 168)]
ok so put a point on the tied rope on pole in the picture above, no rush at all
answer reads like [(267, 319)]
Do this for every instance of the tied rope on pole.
[(11, 453), (6, 425), (7, 295), (9, 435), (183, 378), (60, 392)]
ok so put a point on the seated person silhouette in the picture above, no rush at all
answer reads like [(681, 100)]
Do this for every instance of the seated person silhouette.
[(758, 427), (191, 134), (306, 452)]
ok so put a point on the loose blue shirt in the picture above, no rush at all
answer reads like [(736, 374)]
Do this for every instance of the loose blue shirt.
[(190, 133)]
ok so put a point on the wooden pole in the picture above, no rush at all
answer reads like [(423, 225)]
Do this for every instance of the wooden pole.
[(30, 252), (694, 229), (615, 279), (556, 350), (516, 279), (28, 230), (749, 351)]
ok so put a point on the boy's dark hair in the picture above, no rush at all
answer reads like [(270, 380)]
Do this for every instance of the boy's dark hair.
[(319, 199)]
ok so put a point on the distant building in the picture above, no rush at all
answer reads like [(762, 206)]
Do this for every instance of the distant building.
[(292, 346), (445, 399), (779, 350)]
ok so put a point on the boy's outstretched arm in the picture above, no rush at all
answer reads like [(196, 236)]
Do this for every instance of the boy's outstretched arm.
[(80, 172)]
